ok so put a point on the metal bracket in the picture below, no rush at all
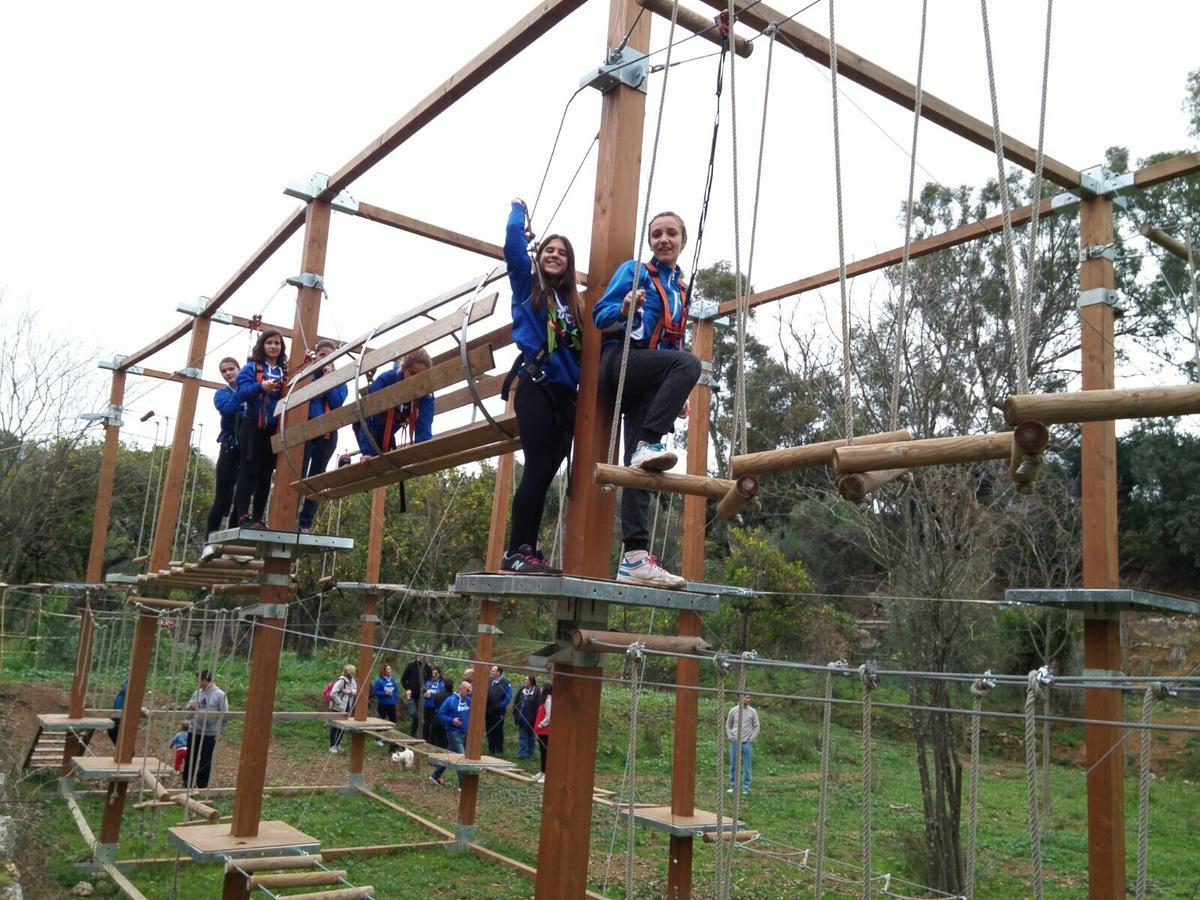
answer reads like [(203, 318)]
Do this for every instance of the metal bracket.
[(315, 186), (369, 617), (1062, 202), (190, 372), (703, 309), (307, 280), (110, 416), (463, 836), (706, 374), (1106, 296), (283, 579), (266, 611), (115, 363), (1099, 251), (1103, 182), (195, 309), (489, 629), (625, 66)]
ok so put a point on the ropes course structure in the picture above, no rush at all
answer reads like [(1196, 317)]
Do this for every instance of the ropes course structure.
[(261, 562)]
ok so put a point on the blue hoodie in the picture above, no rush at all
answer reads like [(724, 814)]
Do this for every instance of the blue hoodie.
[(385, 690), (250, 392), (229, 405), (423, 406), (607, 311), (455, 707), (331, 399), (529, 324)]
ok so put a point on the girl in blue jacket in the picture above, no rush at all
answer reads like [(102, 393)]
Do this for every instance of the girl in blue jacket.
[(259, 387), (658, 378), (319, 450), (385, 691), (415, 415), (228, 458), (547, 313)]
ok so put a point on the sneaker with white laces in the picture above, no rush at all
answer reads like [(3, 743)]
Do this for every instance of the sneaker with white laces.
[(640, 567), (539, 778), (527, 561), (657, 457)]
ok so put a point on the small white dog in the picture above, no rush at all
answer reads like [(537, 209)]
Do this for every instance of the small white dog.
[(406, 758)]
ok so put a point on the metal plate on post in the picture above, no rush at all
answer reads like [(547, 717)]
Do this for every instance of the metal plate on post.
[(301, 542), (578, 588), (1103, 600)]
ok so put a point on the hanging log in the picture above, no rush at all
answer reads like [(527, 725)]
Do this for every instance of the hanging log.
[(354, 893), (808, 456), (856, 487), (195, 807), (1029, 446), (620, 641), (1103, 405), (930, 452), (699, 25), (296, 879), (744, 489), (711, 837), (1165, 240), (671, 482)]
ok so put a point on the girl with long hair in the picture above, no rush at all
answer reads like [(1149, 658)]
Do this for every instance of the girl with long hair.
[(259, 386)]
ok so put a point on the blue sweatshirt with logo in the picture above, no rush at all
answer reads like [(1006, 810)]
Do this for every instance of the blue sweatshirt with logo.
[(250, 392), (385, 690), (229, 405), (455, 707), (529, 324), (422, 407), (607, 311)]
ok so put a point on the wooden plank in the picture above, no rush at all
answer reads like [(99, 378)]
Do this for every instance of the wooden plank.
[(929, 452), (395, 350), (383, 849), (423, 822), (698, 25), (785, 459), (854, 67), (270, 863), (486, 386), (353, 893), (440, 376), (1176, 167), (433, 232)]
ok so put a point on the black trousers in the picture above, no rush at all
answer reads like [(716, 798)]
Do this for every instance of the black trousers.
[(254, 476), (546, 422), (657, 384), (197, 765), (317, 454), (495, 733), (228, 462), (543, 749)]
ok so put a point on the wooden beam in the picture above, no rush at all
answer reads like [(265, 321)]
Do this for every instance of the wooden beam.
[(854, 67), (930, 452), (274, 880), (433, 232), (709, 29), (367, 623), (1101, 405), (745, 489), (485, 385), (671, 482), (1176, 167), (177, 378), (806, 456), (440, 376), (620, 642), (858, 486), (501, 499), (269, 863), (104, 486), (1164, 240)]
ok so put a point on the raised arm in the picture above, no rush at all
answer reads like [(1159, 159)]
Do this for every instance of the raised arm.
[(516, 253)]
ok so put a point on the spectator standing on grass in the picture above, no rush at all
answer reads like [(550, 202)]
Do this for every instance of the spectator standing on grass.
[(454, 714), (415, 674), (499, 696), (741, 727), (209, 704), (542, 729), (433, 694), (341, 700), (525, 707), (385, 691)]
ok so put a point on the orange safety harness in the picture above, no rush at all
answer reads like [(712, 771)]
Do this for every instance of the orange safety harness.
[(259, 371), (673, 327)]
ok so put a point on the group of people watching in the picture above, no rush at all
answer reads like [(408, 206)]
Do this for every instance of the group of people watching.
[(248, 404)]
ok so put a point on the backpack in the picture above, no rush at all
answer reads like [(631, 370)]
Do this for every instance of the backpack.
[(327, 695)]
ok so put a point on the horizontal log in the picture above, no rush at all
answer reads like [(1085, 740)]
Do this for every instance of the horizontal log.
[(858, 486), (296, 879), (1103, 406), (745, 489), (410, 388), (697, 24), (354, 893), (234, 550), (807, 456), (620, 641), (929, 452), (268, 863), (236, 590), (159, 602), (711, 837), (672, 483), (1164, 240), (195, 807)]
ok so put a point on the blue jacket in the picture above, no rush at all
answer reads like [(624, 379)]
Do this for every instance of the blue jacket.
[(229, 405), (331, 399), (529, 324), (436, 685), (455, 707), (424, 416), (607, 311), (260, 407), (385, 690), (526, 707)]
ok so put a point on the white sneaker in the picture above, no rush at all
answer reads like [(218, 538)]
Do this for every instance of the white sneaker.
[(333, 749), (639, 567), (653, 457), (539, 778)]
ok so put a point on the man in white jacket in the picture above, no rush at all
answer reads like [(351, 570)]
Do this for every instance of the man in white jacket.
[(741, 727)]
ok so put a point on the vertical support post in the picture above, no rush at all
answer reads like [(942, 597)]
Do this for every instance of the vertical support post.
[(563, 842), (473, 746), (1101, 634), (687, 671), (104, 488), (79, 684), (366, 630), (501, 497), (268, 633)]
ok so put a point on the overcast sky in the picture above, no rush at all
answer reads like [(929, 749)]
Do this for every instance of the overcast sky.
[(147, 144)]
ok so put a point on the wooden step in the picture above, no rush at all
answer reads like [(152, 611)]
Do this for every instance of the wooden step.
[(297, 879), (355, 893), (268, 863)]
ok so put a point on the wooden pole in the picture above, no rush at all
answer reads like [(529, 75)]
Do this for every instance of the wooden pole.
[(79, 683), (501, 497), (268, 631), (701, 26), (104, 488), (367, 629), (620, 641), (743, 491), (857, 487), (1099, 404), (485, 636), (1101, 633), (564, 838), (808, 456), (1164, 240), (692, 485), (930, 452)]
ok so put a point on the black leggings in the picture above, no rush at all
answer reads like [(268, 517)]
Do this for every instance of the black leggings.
[(317, 454), (254, 477), (228, 462), (543, 748), (546, 421)]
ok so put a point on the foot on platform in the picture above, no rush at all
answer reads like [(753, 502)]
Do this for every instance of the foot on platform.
[(656, 457), (527, 561), (640, 567)]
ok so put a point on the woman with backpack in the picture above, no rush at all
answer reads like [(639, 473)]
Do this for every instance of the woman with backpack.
[(259, 387), (340, 694)]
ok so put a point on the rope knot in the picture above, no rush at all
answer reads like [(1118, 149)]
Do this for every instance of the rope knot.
[(721, 662), (635, 650), (1039, 680), (1163, 691), (868, 677), (983, 684), (749, 655)]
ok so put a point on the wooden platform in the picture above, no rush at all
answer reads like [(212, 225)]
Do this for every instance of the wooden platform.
[(63, 722), (460, 763), (370, 723), (214, 843), (623, 593), (1103, 600), (105, 768), (297, 541), (660, 818)]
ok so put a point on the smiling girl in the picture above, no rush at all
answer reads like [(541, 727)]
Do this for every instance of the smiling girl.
[(259, 386)]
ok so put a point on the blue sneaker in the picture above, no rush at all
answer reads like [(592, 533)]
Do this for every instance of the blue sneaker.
[(653, 457), (640, 567)]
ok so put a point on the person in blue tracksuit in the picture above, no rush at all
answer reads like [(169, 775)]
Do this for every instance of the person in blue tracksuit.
[(433, 695), (658, 378), (547, 314), (454, 714), (259, 386), (226, 401), (385, 691), (415, 415), (319, 450)]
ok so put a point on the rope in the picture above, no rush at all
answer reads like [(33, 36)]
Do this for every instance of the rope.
[(187, 534), (635, 656), (1037, 678), (149, 486), (847, 398), (736, 764), (637, 268), (823, 801), (978, 688), (1014, 291), (721, 662), (1154, 692), (739, 393), (902, 307), (869, 681)]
